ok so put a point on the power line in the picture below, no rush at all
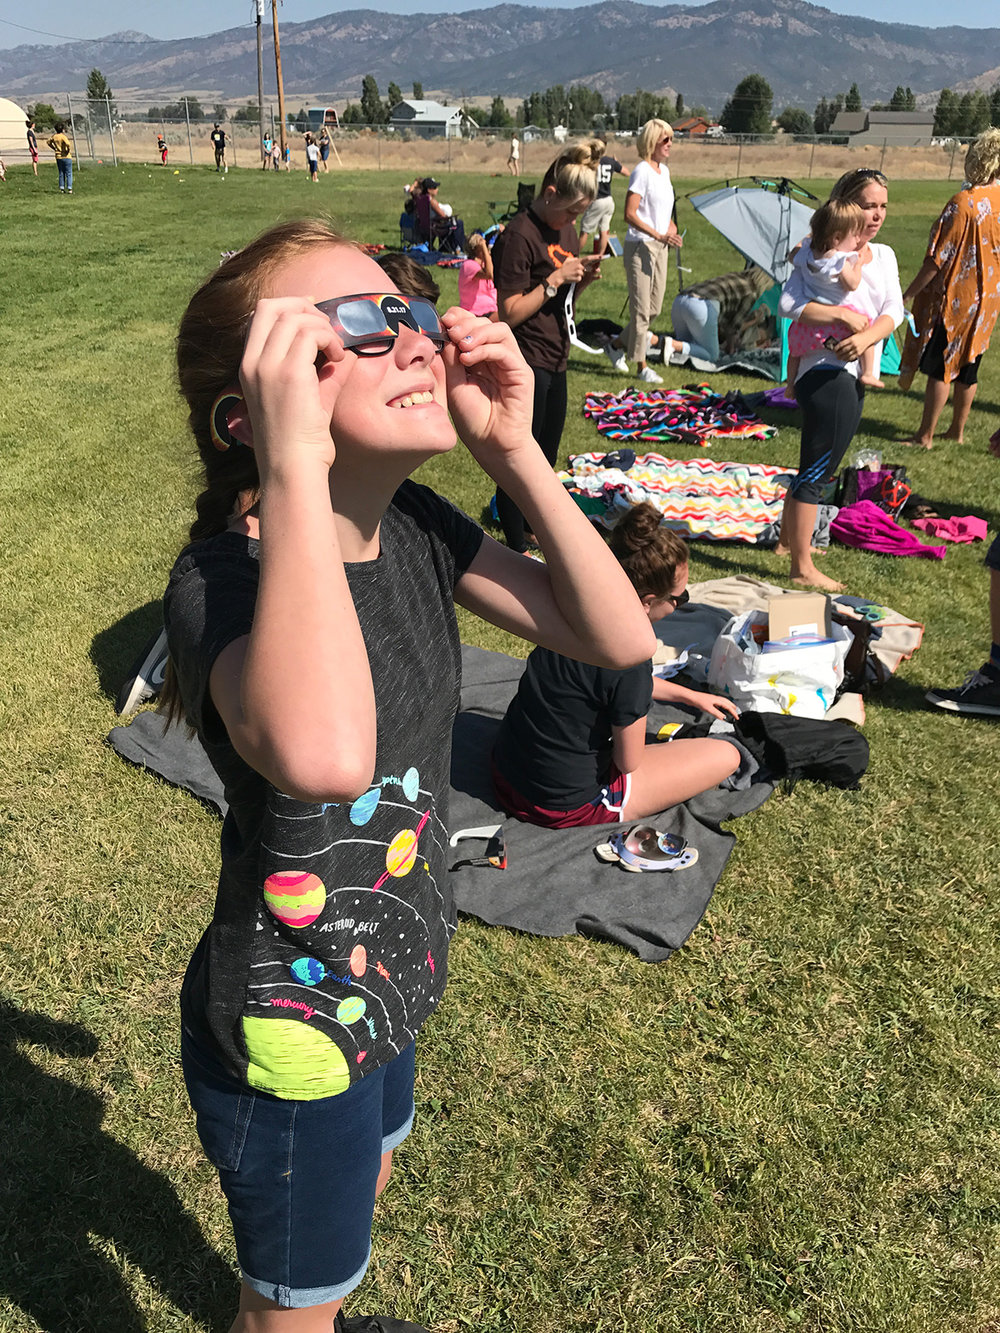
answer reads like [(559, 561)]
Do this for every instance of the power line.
[(95, 41)]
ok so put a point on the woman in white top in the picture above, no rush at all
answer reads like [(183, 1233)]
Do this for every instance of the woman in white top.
[(828, 387), (649, 206)]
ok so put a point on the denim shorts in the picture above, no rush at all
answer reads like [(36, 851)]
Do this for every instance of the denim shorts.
[(299, 1177)]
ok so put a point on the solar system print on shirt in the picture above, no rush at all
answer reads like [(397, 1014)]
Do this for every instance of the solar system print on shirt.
[(352, 925), (328, 945)]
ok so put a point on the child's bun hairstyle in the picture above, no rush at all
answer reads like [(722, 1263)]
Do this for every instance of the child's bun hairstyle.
[(649, 553), (834, 220), (574, 172), (209, 351)]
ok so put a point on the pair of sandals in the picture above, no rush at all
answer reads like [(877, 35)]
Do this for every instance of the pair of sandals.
[(643, 847)]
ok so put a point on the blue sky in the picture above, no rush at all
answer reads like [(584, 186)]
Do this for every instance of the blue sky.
[(188, 18)]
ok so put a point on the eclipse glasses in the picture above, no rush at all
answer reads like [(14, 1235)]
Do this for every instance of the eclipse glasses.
[(368, 324)]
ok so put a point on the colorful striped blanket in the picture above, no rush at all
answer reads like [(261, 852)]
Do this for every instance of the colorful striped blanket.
[(698, 497), (695, 415)]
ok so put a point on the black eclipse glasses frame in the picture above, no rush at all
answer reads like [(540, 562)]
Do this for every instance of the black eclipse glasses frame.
[(368, 323)]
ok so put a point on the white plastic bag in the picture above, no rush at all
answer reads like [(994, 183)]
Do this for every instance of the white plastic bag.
[(802, 680)]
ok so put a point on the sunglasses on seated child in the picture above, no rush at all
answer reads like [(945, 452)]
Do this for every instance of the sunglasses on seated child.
[(368, 324), (681, 599)]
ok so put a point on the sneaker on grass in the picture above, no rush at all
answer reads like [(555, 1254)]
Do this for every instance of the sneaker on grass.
[(649, 376), (617, 358), (978, 695)]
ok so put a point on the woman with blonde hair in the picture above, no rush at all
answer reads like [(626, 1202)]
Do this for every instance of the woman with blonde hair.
[(956, 295), (652, 233), (534, 259)]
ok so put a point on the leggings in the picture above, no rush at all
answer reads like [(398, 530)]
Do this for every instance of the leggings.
[(696, 321), (831, 402), (547, 419)]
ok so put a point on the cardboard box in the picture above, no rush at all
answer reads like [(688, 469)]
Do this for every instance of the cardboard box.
[(798, 613)]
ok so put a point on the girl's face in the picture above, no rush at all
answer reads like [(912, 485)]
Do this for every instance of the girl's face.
[(560, 212), (377, 403), (873, 202), (663, 606)]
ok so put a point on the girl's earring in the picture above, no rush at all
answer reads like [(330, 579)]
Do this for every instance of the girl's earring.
[(218, 418)]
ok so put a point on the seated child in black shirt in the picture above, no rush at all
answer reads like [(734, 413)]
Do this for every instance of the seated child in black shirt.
[(572, 746)]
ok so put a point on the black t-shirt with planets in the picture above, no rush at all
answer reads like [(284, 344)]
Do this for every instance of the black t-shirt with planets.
[(328, 944)]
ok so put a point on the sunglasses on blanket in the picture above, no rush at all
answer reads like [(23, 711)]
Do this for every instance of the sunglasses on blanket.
[(368, 324)]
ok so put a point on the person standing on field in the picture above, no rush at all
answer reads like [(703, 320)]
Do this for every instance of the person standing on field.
[(32, 144), (63, 149), (514, 156), (218, 137)]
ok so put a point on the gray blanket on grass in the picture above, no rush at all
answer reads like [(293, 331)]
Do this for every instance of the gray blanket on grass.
[(553, 884)]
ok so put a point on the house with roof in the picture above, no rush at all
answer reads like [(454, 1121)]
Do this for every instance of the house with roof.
[(895, 129), (430, 120), (693, 126)]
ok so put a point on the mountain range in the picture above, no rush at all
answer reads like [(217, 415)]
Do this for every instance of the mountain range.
[(803, 50)]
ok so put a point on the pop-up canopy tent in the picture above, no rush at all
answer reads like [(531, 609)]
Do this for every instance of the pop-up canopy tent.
[(764, 220)]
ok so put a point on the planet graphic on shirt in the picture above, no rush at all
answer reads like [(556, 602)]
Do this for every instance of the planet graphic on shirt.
[(350, 1010), (411, 784), (310, 971), (402, 853), (358, 961), (293, 1059), (295, 897), (364, 807)]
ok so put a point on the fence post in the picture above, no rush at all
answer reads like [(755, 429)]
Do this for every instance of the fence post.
[(187, 120), (379, 140), (739, 154), (72, 131), (111, 130), (954, 150), (812, 158), (232, 140), (881, 161)]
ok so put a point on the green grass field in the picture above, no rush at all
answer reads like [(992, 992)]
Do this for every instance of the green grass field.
[(792, 1124)]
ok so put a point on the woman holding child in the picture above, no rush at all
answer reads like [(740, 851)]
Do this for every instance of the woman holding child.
[(828, 386)]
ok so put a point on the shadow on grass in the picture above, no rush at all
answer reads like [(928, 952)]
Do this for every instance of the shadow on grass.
[(114, 650), (66, 1180)]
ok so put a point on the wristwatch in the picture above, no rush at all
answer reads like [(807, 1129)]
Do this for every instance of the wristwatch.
[(550, 291)]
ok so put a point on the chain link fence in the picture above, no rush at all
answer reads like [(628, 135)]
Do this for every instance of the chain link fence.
[(108, 131)]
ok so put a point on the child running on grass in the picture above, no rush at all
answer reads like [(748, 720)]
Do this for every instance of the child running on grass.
[(572, 746), (831, 269), (314, 648)]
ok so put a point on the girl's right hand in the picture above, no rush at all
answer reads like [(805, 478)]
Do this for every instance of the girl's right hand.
[(571, 270), (288, 374)]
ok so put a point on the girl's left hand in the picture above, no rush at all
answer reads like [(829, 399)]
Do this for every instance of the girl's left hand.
[(490, 387)]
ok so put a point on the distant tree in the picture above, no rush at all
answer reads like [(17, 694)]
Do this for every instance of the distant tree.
[(852, 102), (535, 111), (194, 108), (418, 91), (102, 108), (246, 115), (634, 109), (352, 115), (793, 120), (911, 99), (43, 114), (299, 119), (946, 114), (220, 112), (372, 110), (995, 106), (393, 97), (679, 107), (748, 111), (897, 102), (973, 115), (499, 117), (826, 113)]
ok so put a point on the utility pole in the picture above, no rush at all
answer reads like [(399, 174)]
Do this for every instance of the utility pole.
[(281, 86), (260, 82)]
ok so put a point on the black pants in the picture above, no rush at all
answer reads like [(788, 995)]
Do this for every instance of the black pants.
[(548, 416), (831, 402)]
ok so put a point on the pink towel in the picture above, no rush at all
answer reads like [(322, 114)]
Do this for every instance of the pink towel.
[(967, 529), (869, 528)]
